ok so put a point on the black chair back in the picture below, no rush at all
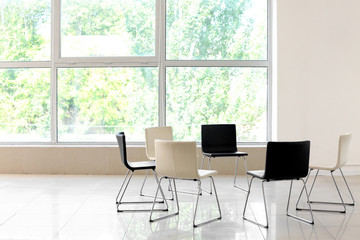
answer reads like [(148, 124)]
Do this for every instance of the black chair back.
[(122, 146), (218, 138), (287, 160)]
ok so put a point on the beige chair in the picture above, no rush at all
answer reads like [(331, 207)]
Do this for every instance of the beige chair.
[(151, 134), (177, 160), (344, 142)]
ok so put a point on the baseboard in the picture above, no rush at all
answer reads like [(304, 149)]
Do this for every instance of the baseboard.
[(351, 169), (348, 170)]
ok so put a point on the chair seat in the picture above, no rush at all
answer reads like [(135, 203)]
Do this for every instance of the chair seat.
[(322, 166), (228, 154), (206, 173), (142, 165), (257, 173)]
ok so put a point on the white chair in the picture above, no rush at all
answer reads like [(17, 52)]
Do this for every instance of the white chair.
[(151, 134), (177, 160), (343, 147)]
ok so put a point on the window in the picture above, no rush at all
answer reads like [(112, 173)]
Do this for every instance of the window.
[(95, 103), (25, 30), (216, 30), (25, 105), (78, 71), (93, 28), (200, 95)]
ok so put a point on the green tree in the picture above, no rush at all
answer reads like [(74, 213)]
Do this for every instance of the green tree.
[(96, 102), (25, 93)]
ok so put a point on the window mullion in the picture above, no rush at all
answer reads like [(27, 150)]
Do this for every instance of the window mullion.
[(55, 55), (162, 66)]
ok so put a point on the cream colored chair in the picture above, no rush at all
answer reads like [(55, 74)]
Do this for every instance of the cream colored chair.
[(177, 160), (344, 142), (151, 134)]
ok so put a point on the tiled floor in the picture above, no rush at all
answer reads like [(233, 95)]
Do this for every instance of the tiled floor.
[(83, 207)]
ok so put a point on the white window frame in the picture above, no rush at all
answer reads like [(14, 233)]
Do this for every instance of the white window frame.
[(159, 60)]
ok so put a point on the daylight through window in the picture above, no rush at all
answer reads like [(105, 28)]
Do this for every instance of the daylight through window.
[(78, 71)]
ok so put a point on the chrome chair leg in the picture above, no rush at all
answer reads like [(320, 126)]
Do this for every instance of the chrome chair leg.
[(202, 162), (296, 217), (287, 208), (122, 185), (302, 190), (196, 205), (246, 203), (338, 190), (210, 169), (353, 201), (235, 174), (180, 191), (176, 199), (122, 191), (208, 191), (197, 201), (324, 202), (151, 196), (202, 165), (141, 189)]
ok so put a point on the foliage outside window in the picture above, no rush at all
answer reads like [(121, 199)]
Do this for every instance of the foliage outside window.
[(107, 28), (121, 65), (95, 103), (237, 95)]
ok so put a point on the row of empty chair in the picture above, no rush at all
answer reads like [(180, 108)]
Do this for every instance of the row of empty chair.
[(173, 160)]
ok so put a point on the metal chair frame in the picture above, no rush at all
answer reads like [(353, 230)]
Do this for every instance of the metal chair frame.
[(177, 202), (151, 196), (235, 173), (343, 203), (123, 189), (266, 225)]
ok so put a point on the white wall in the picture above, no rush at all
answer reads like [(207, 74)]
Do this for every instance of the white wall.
[(319, 74)]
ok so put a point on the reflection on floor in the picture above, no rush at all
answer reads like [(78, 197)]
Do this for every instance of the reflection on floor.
[(83, 207)]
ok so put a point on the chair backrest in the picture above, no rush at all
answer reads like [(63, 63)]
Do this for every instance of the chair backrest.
[(344, 143), (218, 138), (176, 159), (163, 133), (287, 160), (120, 137)]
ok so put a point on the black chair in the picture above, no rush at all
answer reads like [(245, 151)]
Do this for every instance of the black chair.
[(219, 140), (132, 167), (284, 161)]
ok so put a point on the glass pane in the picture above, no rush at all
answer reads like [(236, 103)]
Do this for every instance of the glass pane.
[(93, 28), (205, 95), (25, 30), (95, 103), (24, 105), (216, 30)]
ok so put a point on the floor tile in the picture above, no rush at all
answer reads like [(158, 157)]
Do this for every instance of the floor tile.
[(62, 207)]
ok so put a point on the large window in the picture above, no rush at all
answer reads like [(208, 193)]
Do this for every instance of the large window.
[(202, 95), (78, 71), (93, 28), (95, 103)]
